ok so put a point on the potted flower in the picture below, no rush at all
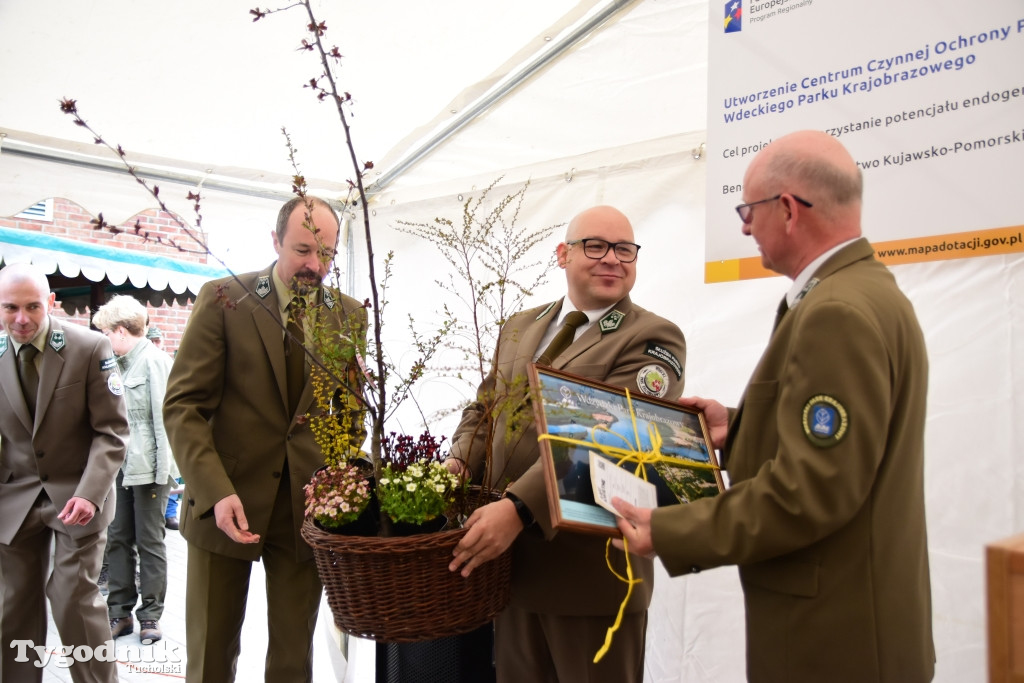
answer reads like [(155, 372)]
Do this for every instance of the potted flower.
[(416, 489), (337, 497)]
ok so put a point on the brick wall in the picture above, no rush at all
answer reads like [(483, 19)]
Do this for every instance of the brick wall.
[(151, 231)]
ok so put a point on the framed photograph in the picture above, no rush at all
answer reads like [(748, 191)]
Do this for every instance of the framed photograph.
[(585, 428)]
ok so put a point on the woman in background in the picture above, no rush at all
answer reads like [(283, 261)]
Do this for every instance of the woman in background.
[(145, 479)]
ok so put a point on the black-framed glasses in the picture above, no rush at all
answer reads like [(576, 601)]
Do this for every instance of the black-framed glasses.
[(746, 211), (596, 248)]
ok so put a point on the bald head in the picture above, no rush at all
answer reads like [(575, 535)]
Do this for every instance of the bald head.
[(815, 167), (602, 278), (24, 273), (597, 218), (25, 301)]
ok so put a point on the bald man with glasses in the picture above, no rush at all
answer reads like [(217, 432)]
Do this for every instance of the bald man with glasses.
[(564, 597), (825, 513)]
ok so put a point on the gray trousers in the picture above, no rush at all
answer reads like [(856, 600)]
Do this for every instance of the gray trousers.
[(137, 533)]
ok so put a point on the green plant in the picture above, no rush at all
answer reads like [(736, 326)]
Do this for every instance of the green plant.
[(415, 486), (417, 494)]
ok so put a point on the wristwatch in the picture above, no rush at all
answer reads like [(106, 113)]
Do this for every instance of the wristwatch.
[(525, 516)]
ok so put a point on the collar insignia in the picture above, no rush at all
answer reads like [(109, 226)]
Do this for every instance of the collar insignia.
[(263, 286), (3, 344), (611, 322), (329, 299), (811, 284), (57, 339)]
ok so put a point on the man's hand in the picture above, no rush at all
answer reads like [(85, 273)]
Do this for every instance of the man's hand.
[(635, 525), (457, 466), (715, 414), (231, 520), (78, 511), (492, 528)]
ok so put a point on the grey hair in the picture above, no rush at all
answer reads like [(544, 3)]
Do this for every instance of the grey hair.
[(122, 311), (834, 182)]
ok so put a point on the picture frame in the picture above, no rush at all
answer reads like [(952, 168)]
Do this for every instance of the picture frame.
[(572, 412)]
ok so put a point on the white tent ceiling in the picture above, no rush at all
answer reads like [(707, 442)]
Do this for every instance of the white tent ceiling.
[(197, 86)]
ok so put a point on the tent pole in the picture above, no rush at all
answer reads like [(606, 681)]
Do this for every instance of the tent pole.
[(497, 93)]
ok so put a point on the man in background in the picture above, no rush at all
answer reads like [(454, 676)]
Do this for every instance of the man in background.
[(564, 598), (245, 449), (63, 434), (825, 513)]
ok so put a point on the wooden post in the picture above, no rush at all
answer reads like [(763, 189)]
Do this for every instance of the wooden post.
[(1005, 566)]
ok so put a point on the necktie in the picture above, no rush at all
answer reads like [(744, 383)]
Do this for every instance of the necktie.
[(783, 307), (28, 375), (563, 338), (294, 356)]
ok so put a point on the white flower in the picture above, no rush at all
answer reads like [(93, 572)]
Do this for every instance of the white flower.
[(410, 487)]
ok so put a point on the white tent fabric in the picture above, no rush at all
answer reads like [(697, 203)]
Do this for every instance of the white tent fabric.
[(198, 92)]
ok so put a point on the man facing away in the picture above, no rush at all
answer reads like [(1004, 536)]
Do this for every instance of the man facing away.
[(564, 598), (245, 453), (63, 434), (825, 512)]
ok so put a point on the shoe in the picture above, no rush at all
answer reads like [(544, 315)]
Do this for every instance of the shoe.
[(149, 631), (171, 523), (102, 582), (121, 626)]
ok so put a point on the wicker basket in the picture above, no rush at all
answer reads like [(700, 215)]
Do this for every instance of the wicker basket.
[(399, 589)]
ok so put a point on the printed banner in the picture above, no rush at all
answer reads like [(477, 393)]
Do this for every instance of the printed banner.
[(928, 97)]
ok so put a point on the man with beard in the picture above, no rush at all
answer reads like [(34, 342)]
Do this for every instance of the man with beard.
[(234, 411)]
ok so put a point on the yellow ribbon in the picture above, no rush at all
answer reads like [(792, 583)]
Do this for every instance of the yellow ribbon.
[(630, 453)]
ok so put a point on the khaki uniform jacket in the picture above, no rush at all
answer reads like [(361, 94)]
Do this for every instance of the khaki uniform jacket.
[(77, 441), (825, 513), (226, 414), (565, 573)]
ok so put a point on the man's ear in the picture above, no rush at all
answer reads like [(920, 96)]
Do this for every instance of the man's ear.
[(562, 252), (277, 243)]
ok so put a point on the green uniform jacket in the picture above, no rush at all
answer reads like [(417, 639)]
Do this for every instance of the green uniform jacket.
[(825, 512), (226, 414), (77, 441), (565, 573)]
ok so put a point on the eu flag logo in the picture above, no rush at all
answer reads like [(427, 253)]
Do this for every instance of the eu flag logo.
[(733, 16)]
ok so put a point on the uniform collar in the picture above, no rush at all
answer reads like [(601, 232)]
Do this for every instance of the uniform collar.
[(802, 280)]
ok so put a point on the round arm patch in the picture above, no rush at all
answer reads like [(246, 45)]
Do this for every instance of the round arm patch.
[(825, 420)]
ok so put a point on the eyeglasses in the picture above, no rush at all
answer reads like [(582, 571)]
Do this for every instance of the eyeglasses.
[(597, 248), (746, 211)]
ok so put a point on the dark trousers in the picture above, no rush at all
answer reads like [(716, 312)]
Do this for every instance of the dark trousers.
[(137, 532), (551, 648), (26, 581), (215, 598)]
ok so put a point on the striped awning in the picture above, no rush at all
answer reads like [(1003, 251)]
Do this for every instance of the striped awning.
[(97, 262)]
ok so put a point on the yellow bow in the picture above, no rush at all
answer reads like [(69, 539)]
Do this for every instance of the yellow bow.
[(629, 453)]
